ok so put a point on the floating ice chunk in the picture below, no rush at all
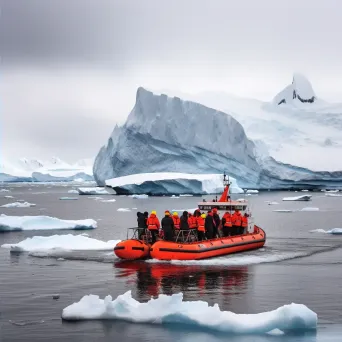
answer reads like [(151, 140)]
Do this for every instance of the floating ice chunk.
[(93, 191), (18, 205), (96, 198), (68, 198), (174, 196), (304, 190), (109, 201), (72, 191), (4, 190), (124, 209), (330, 191), (252, 191), (284, 211), (334, 231), (333, 195), (66, 242), (8, 196), (8, 223), (186, 195), (172, 309), (298, 198), (271, 203), (310, 209), (142, 196)]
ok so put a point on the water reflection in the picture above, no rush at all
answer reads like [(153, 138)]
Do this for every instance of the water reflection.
[(152, 279)]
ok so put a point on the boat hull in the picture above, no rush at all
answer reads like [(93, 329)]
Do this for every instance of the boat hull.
[(132, 249), (165, 250)]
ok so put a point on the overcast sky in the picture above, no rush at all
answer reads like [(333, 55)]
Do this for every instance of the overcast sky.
[(70, 68)]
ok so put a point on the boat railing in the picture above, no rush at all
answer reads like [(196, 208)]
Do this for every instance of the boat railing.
[(188, 235), (135, 233)]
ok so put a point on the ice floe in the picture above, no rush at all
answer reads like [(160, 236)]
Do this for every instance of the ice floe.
[(186, 195), (296, 210), (334, 231), (93, 191), (142, 196), (72, 191), (174, 196), (9, 223), (271, 203), (67, 242), (18, 205), (109, 201), (9, 196), (252, 191), (68, 198), (4, 190), (333, 195), (124, 209), (172, 309), (298, 198)]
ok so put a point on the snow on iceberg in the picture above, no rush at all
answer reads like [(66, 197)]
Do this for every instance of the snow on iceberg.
[(68, 242), (93, 191), (18, 205), (334, 231), (172, 309), (298, 198), (10, 223), (171, 182)]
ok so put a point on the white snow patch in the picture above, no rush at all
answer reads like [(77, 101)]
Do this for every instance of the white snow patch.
[(172, 309), (66, 242), (8, 223), (18, 205), (124, 209), (93, 191), (142, 196)]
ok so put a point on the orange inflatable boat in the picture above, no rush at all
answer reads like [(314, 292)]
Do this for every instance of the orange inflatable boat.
[(165, 250), (132, 249)]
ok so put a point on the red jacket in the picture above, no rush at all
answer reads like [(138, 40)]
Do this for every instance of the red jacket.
[(153, 222)]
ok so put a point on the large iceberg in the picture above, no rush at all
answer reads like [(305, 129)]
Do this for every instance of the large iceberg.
[(160, 183), (10, 223), (67, 242), (172, 309), (164, 134)]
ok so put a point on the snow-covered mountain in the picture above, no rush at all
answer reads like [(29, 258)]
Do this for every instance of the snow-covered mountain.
[(164, 134), (53, 169)]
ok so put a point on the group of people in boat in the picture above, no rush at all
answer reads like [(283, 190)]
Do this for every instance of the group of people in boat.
[(205, 226)]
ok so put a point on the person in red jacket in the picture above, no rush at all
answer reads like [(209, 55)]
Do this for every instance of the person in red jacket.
[(236, 222), (153, 225), (227, 224), (192, 221), (201, 227), (176, 220), (244, 223)]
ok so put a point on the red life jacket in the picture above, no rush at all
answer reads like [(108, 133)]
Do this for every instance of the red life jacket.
[(153, 222), (176, 221), (228, 219), (244, 221), (236, 219), (200, 224), (192, 222)]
